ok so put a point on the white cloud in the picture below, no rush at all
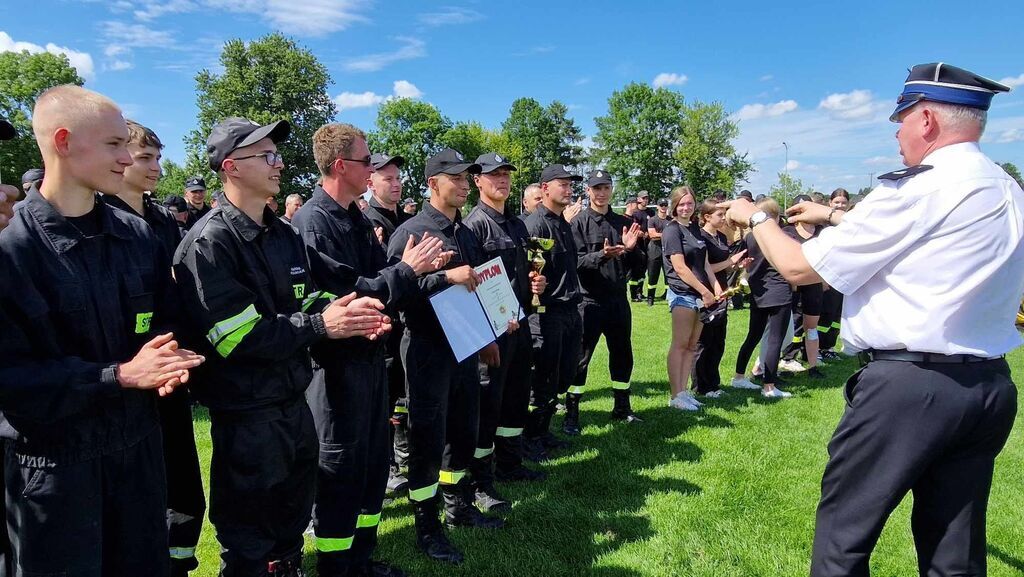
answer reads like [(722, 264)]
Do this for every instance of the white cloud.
[(754, 111), (766, 78), (793, 165), (450, 15), (406, 89), (148, 10), (882, 160), (81, 61), (349, 100), (669, 79), (855, 105), (1011, 135), (309, 17), (411, 48), (118, 65), (1013, 81), (582, 81), (121, 37), (400, 89)]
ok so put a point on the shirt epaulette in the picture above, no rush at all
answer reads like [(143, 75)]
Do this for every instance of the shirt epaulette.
[(905, 172)]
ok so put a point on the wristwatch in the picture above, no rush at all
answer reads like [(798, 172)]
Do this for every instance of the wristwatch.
[(758, 217)]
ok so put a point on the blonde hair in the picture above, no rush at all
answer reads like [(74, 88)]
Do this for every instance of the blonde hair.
[(769, 205), (66, 106), (333, 141), (677, 195)]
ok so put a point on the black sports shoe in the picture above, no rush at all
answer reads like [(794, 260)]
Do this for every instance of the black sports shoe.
[(815, 373)]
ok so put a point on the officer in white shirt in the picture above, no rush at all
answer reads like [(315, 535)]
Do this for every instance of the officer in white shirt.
[(932, 268)]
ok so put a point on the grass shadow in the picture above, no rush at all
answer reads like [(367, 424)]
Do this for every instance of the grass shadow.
[(1006, 558)]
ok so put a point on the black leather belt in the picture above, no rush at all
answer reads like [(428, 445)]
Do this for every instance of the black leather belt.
[(912, 357)]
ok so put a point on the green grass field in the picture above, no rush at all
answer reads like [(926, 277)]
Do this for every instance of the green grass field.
[(728, 491)]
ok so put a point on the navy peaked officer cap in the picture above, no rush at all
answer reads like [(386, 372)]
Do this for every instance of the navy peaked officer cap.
[(236, 132), (380, 160), (941, 82), (493, 161), (449, 161), (599, 177), (555, 171)]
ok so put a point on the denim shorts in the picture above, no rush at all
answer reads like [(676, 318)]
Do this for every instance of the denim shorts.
[(688, 301)]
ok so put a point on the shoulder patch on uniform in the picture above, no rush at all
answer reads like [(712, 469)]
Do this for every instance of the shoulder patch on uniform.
[(905, 172)]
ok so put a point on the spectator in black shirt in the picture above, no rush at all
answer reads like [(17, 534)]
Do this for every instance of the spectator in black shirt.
[(655, 226), (691, 287)]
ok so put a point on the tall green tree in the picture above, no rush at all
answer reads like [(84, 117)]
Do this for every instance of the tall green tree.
[(538, 136), (271, 78), (786, 188), (23, 77), (414, 130), (637, 139), (172, 179), (706, 155), (1013, 171)]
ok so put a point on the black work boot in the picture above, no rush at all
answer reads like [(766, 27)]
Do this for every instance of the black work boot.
[(376, 569), (397, 481), (509, 453), (571, 423), (622, 410), (487, 498), (650, 297), (459, 510), (430, 536)]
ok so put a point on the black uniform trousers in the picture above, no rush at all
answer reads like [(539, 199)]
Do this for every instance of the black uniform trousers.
[(186, 501), (828, 324), (776, 320), (655, 265), (350, 407), (98, 517), (927, 428), (505, 398), (262, 480), (710, 350), (612, 318), (397, 395), (444, 414), (557, 339)]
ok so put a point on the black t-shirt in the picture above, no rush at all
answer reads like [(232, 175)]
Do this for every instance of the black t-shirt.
[(718, 251), (688, 242), (794, 234), (89, 224), (767, 285), (658, 224)]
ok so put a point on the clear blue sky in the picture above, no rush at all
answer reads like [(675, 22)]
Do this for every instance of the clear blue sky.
[(821, 77)]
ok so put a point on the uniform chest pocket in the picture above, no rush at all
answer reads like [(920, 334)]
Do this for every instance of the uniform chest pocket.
[(499, 244), (595, 240), (140, 305)]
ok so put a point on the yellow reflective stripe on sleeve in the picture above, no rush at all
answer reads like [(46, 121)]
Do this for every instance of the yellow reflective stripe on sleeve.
[(183, 552), (366, 521), (451, 477), (509, 432), (308, 301), (481, 453), (620, 386), (798, 339), (577, 390), (423, 493), (333, 545), (400, 410), (230, 333)]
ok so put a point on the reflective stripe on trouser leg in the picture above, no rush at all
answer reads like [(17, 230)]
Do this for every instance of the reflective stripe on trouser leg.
[(423, 493), (481, 453), (182, 552), (451, 477), (620, 386), (577, 390), (508, 432), (333, 544)]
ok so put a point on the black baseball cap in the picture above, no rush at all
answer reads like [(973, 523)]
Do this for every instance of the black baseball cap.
[(493, 161), (801, 198), (379, 160), (195, 183), (176, 202), (449, 161), (235, 132), (745, 194), (555, 171), (7, 130), (630, 200), (408, 201), (32, 175), (598, 177), (643, 194), (663, 202)]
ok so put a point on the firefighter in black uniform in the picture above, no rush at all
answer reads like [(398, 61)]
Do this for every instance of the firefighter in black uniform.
[(349, 395), (444, 394), (557, 331), (242, 274), (87, 294), (8, 194), (385, 183), (186, 501), (195, 196), (640, 215), (607, 250), (504, 389)]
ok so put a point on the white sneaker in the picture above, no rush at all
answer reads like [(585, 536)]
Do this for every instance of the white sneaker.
[(680, 402), (714, 394), (792, 366), (743, 384), (690, 398), (776, 394)]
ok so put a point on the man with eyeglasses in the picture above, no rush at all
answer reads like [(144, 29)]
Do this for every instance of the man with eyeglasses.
[(243, 276), (349, 393)]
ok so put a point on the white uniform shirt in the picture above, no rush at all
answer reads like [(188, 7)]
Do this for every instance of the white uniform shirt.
[(933, 262)]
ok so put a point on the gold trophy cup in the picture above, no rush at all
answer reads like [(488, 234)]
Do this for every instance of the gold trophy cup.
[(536, 248)]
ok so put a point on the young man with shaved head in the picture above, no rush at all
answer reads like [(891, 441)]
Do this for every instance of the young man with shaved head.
[(84, 356)]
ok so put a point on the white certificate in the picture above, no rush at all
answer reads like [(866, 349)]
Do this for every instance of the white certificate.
[(473, 320)]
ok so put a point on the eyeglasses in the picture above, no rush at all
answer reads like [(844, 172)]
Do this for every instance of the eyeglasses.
[(272, 158), (365, 160)]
